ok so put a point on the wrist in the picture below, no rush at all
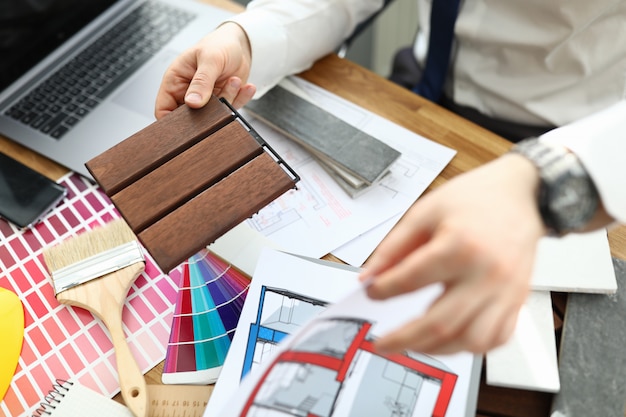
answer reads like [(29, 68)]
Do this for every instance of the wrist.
[(525, 181), (567, 198), (524, 172), (235, 31)]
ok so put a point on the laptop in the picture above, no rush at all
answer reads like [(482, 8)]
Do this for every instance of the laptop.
[(77, 76)]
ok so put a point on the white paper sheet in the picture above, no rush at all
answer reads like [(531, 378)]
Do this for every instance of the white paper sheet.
[(359, 249)]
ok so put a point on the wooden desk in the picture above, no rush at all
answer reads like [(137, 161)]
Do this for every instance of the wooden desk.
[(475, 146)]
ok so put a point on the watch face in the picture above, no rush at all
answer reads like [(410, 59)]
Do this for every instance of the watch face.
[(567, 196), (572, 202)]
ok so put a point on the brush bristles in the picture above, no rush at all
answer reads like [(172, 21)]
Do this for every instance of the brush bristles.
[(88, 244)]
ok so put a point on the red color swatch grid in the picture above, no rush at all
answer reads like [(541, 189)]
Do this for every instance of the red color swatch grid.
[(67, 342)]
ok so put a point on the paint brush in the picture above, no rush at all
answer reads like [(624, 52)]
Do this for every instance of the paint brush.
[(95, 270)]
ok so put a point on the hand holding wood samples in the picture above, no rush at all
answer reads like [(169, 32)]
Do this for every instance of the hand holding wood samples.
[(188, 178)]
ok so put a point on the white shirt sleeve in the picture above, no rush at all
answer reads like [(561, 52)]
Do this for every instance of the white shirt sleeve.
[(286, 37), (599, 140)]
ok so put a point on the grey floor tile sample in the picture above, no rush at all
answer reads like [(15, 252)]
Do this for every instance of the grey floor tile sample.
[(592, 362), (325, 135)]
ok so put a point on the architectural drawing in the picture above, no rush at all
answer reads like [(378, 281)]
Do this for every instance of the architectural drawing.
[(280, 313), (331, 369)]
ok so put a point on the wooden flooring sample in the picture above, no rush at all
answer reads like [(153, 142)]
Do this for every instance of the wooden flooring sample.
[(185, 175), (207, 172), (215, 211), (135, 156)]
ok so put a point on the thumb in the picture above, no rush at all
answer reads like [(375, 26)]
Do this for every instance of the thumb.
[(199, 91)]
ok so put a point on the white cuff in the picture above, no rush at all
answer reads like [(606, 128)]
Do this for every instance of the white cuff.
[(599, 140)]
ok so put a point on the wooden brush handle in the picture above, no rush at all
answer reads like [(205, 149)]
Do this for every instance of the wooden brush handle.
[(105, 297), (132, 382)]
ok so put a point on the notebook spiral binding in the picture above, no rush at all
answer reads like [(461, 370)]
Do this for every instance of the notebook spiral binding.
[(59, 389)]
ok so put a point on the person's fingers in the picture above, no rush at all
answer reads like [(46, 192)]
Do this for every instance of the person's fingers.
[(408, 235), (230, 89), (441, 324), (506, 328), (429, 264), (463, 318), (236, 93), (165, 104), (244, 96), (174, 84), (486, 330), (483, 334), (170, 94), (200, 87)]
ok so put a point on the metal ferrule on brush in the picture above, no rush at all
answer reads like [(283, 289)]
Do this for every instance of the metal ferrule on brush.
[(97, 266)]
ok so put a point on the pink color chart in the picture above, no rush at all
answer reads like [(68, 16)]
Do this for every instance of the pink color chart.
[(67, 342)]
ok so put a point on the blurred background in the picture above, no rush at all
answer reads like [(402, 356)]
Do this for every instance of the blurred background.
[(393, 29)]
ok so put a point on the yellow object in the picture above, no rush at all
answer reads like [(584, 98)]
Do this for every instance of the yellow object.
[(12, 331)]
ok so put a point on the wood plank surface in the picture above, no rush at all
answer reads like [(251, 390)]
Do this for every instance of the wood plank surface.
[(213, 212), (157, 143), (186, 175)]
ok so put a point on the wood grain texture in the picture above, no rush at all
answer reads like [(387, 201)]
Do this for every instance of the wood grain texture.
[(178, 180), (188, 178), (152, 146), (31, 159), (216, 210)]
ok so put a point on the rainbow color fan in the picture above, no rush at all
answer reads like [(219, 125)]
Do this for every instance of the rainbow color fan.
[(208, 305)]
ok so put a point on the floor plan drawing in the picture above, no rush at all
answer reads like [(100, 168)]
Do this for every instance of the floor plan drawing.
[(332, 369), (280, 313)]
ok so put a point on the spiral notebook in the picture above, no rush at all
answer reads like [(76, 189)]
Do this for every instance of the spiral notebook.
[(70, 399)]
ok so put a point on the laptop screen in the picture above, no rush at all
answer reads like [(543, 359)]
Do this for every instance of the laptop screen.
[(30, 30)]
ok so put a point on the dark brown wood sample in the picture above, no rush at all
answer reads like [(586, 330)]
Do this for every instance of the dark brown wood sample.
[(215, 211), (207, 172), (132, 158), (185, 175)]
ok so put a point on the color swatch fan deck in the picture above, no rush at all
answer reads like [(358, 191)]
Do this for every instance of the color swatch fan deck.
[(208, 306)]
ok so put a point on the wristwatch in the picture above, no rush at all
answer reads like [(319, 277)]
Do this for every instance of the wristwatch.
[(567, 198)]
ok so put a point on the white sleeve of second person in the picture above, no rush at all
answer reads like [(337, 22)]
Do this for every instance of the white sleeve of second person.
[(599, 140), (286, 37)]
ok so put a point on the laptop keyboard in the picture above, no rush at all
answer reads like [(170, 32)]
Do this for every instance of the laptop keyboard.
[(60, 102)]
